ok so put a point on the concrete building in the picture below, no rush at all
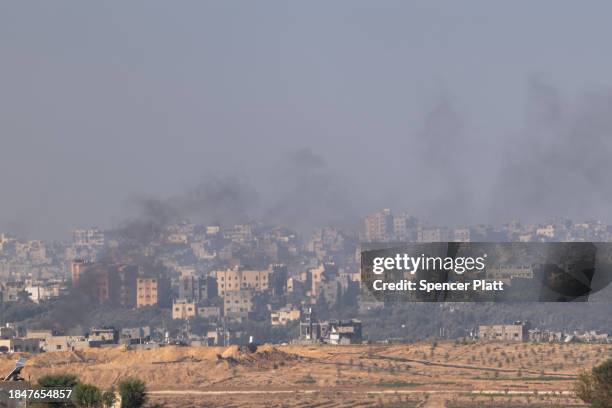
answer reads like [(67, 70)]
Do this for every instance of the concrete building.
[(39, 292), (50, 341), (236, 279), (64, 343), (337, 332), (591, 336), (344, 332), (39, 334), (434, 235), (518, 331), (181, 309), (284, 315), (545, 336), (88, 237), (240, 233), (135, 335), (105, 282), (76, 269), (316, 276), (147, 292), (238, 304), (404, 227), (220, 337), (96, 280), (195, 288), (11, 291), (19, 345), (209, 312), (126, 282), (99, 336), (378, 227)]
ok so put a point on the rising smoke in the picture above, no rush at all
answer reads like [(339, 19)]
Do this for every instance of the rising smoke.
[(557, 164)]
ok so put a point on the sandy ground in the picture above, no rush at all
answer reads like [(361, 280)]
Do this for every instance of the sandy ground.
[(336, 376)]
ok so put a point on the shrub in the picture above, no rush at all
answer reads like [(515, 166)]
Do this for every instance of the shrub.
[(63, 380), (58, 381), (595, 388), (133, 393), (87, 396)]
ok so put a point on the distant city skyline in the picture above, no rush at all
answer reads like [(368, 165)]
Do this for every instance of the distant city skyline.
[(383, 225)]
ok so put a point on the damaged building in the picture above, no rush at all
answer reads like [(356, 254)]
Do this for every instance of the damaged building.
[(336, 332)]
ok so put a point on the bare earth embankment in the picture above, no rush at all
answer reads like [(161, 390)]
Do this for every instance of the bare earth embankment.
[(453, 375)]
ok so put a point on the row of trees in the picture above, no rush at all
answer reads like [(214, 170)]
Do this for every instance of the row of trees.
[(132, 392)]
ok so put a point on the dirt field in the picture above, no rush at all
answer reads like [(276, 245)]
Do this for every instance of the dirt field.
[(449, 374)]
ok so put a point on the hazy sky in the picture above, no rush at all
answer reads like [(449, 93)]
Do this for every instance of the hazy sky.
[(458, 112)]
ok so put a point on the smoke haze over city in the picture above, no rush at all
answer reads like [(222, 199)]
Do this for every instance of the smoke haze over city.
[(302, 114)]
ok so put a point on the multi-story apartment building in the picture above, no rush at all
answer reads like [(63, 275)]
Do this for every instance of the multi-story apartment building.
[(150, 291), (146, 292), (126, 276), (404, 227), (434, 235), (378, 227), (97, 280), (240, 233), (182, 309), (238, 304), (236, 279), (196, 288), (118, 283), (88, 237)]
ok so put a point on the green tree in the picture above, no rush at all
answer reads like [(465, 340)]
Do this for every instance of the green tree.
[(87, 396), (133, 393), (63, 380), (595, 388)]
